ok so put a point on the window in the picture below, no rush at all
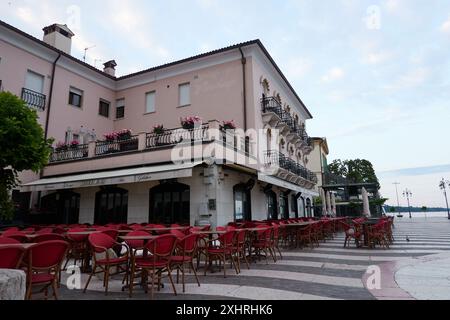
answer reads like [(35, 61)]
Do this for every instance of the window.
[(34, 82), (272, 210), (150, 105), (111, 206), (184, 94), (170, 203), (120, 109), (284, 207), (242, 203), (104, 108), (75, 97)]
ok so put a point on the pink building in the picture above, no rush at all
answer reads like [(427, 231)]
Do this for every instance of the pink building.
[(200, 175)]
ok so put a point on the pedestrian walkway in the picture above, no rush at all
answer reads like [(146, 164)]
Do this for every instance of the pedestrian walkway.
[(410, 270)]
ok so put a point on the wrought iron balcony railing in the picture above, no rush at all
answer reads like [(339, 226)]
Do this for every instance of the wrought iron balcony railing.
[(70, 153), (270, 104), (175, 136), (275, 158), (34, 99), (117, 146)]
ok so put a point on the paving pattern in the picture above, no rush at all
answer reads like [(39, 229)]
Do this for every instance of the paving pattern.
[(327, 272)]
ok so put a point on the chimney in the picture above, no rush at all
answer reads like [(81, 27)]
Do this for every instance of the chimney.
[(110, 68), (59, 36)]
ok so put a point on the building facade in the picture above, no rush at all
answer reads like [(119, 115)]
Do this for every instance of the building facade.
[(230, 141)]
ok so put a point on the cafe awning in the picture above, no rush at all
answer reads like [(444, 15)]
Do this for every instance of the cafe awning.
[(286, 185), (105, 178)]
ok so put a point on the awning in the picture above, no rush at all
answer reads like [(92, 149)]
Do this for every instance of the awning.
[(286, 185), (170, 171)]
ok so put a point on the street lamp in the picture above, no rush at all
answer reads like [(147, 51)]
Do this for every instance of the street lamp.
[(408, 194), (443, 187)]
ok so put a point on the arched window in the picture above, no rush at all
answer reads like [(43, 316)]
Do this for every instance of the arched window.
[(272, 205), (170, 203), (242, 203), (111, 206), (61, 207)]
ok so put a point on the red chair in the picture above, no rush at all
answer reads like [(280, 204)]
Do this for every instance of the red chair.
[(48, 237), (238, 248), (221, 250), (185, 253), (5, 240), (78, 250), (44, 265), (103, 244), (276, 240), (45, 231), (112, 233), (177, 233), (19, 236), (11, 257), (351, 233), (263, 243), (161, 249)]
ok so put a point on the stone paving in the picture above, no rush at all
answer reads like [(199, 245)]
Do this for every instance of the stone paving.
[(328, 272)]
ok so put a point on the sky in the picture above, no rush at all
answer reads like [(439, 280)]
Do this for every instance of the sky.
[(374, 74)]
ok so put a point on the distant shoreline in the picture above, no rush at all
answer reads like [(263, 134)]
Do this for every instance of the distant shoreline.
[(414, 209)]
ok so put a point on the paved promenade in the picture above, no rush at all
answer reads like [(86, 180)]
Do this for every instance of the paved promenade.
[(414, 269)]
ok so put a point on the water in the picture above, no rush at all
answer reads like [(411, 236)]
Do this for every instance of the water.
[(441, 214)]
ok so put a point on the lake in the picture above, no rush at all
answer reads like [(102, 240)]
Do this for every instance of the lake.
[(442, 214)]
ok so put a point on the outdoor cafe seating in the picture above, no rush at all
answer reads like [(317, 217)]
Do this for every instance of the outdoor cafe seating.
[(140, 255)]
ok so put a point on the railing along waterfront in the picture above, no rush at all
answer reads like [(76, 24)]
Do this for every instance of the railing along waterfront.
[(175, 136), (34, 99), (69, 154), (275, 158), (117, 146)]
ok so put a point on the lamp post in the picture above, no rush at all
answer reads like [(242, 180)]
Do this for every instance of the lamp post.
[(408, 194), (443, 187), (398, 199)]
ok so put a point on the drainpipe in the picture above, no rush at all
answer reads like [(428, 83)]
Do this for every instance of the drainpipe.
[(244, 63), (50, 95)]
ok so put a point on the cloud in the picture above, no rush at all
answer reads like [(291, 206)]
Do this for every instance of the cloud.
[(411, 79), (333, 75), (393, 6), (445, 27), (377, 57)]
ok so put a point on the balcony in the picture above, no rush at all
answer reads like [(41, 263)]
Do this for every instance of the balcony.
[(206, 142), (33, 99), (70, 154), (288, 169), (274, 115)]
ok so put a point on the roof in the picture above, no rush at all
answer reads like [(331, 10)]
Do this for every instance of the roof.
[(211, 53)]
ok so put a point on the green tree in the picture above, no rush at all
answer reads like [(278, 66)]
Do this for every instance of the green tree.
[(358, 171), (22, 144)]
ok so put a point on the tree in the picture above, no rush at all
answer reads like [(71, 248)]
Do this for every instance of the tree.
[(22, 144), (357, 171)]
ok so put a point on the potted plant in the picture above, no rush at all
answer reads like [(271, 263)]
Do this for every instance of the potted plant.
[(159, 129), (229, 125), (190, 122), (74, 144), (61, 146), (124, 134), (111, 136)]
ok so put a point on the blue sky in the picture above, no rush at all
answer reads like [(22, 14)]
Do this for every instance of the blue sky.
[(373, 73)]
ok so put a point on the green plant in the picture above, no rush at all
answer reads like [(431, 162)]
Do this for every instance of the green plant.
[(23, 146)]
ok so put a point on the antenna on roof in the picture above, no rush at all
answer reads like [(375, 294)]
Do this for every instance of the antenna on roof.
[(85, 51)]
